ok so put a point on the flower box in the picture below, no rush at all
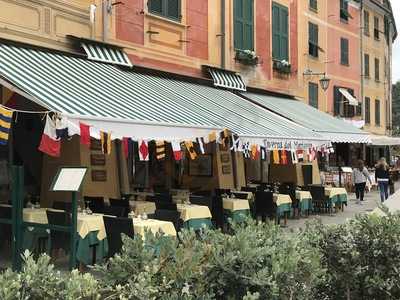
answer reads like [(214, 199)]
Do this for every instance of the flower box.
[(282, 66), (246, 57)]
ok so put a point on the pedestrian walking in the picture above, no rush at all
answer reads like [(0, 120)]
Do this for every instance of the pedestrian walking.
[(360, 176), (382, 178)]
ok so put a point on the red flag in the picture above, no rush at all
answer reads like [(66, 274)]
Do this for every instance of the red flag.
[(176, 148), (85, 134), (49, 143), (125, 146), (143, 150)]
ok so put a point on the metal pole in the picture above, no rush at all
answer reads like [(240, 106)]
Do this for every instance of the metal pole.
[(17, 175), (223, 34), (74, 222)]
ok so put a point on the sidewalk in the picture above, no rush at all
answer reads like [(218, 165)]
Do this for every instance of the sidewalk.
[(371, 201)]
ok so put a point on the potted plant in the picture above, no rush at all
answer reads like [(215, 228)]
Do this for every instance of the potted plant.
[(282, 66), (246, 57)]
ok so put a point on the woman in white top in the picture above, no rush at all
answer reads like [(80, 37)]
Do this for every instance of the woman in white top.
[(360, 177)]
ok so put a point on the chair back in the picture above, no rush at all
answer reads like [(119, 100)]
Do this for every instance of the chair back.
[(264, 204), (119, 203), (114, 228), (116, 211), (248, 189), (5, 212), (60, 218), (202, 200), (170, 216), (96, 204), (61, 205), (166, 205), (202, 193), (163, 197), (317, 192), (240, 195), (217, 211), (59, 239), (5, 229)]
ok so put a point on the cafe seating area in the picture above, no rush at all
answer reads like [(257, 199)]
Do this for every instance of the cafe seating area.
[(102, 221)]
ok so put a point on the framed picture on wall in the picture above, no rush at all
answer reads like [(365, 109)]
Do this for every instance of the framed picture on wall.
[(201, 166)]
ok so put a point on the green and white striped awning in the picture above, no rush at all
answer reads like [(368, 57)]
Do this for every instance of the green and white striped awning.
[(138, 105), (227, 79), (106, 54)]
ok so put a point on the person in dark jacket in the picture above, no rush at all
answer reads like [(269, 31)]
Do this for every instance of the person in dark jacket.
[(382, 178)]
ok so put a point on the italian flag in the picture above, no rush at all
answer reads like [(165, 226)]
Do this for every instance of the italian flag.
[(49, 143)]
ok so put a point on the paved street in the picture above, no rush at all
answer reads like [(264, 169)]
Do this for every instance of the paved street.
[(371, 201)]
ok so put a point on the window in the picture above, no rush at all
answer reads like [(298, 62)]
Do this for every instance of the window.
[(341, 106), (366, 22), (170, 9), (243, 24), (376, 69), (344, 10), (376, 28), (377, 112), (313, 4), (313, 94), (366, 65), (367, 116), (313, 39), (280, 35), (344, 51)]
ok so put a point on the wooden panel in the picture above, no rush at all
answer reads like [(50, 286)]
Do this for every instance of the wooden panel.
[(64, 25), (166, 37), (11, 13)]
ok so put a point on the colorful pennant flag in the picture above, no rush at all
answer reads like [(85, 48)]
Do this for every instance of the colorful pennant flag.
[(275, 156), (191, 150), (200, 142), (300, 155), (294, 157), (176, 149), (224, 137), (235, 142), (160, 150), (125, 146), (212, 137), (61, 128), (105, 139), (284, 158), (5, 124), (143, 150), (49, 143), (85, 134), (263, 153), (246, 150), (255, 152)]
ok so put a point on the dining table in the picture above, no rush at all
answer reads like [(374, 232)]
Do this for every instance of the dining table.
[(337, 196), (236, 209), (195, 216), (305, 201)]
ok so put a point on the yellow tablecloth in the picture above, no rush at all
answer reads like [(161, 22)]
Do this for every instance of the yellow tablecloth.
[(332, 191), (301, 195), (234, 204), (86, 223), (154, 226), (191, 211), (140, 207), (281, 199)]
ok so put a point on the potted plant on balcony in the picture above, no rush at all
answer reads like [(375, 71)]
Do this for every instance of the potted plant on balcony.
[(282, 66), (246, 57)]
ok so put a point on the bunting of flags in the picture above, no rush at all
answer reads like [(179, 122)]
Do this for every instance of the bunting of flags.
[(143, 150), (50, 143), (160, 150)]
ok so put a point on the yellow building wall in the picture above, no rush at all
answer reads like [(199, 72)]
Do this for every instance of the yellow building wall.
[(376, 89)]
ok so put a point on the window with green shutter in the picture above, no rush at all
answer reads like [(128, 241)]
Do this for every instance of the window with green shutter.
[(170, 9), (377, 112), (313, 94), (367, 116), (280, 34), (344, 51), (313, 39), (366, 65), (313, 4), (366, 22), (376, 28), (344, 10), (243, 11), (377, 69)]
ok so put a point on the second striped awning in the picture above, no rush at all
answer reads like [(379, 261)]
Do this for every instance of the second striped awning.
[(227, 79)]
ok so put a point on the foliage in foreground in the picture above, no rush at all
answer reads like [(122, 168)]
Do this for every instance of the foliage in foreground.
[(356, 260)]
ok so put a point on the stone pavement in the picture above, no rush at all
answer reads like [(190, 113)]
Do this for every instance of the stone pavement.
[(371, 201)]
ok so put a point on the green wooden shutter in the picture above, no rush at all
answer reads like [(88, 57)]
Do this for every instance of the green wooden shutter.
[(344, 51), (243, 24), (366, 22), (280, 32), (155, 6), (248, 31), (366, 65), (367, 117), (313, 39), (313, 4), (173, 9), (313, 94), (377, 112), (377, 69), (238, 24)]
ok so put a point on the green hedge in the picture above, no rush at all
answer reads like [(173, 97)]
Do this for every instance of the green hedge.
[(357, 260)]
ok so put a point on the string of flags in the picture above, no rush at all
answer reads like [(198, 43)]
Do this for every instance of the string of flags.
[(58, 128)]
